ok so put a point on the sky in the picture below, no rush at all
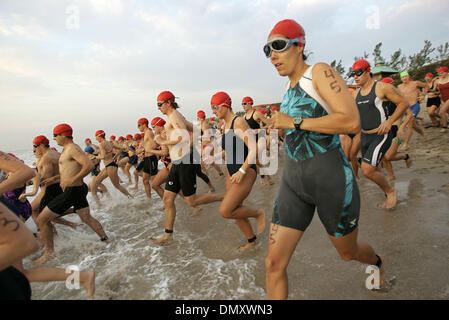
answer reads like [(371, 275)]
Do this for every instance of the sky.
[(100, 64)]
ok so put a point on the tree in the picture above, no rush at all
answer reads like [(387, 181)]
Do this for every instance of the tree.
[(397, 61), (443, 52), (416, 61), (377, 53), (338, 67)]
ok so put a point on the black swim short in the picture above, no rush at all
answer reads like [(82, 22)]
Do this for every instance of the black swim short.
[(71, 197), (14, 285), (326, 183), (123, 154), (51, 192), (374, 147), (112, 164), (182, 177), (132, 160), (433, 102), (140, 165), (150, 165)]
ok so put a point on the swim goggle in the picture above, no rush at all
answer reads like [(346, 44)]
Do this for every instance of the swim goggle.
[(279, 45), (357, 72)]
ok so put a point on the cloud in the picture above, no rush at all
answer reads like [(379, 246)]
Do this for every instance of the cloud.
[(16, 25), (102, 7)]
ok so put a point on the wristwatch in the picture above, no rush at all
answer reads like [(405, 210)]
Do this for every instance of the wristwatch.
[(297, 121)]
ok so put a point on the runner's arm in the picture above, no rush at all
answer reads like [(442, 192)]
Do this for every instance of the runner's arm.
[(20, 173)]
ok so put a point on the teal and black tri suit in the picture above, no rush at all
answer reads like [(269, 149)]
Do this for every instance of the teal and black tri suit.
[(316, 174)]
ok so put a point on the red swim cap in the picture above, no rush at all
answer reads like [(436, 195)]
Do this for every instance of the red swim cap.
[(260, 110), (247, 99), (121, 138), (387, 80), (63, 129), (137, 136), (361, 64), (88, 140), (142, 134), (275, 109), (143, 121), (41, 140), (100, 133), (221, 99), (166, 96), (129, 136), (429, 75), (201, 114), (112, 138), (290, 29), (442, 69), (158, 121)]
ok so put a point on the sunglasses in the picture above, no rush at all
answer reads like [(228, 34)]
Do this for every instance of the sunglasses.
[(55, 135), (246, 103), (357, 72), (215, 107), (36, 145), (159, 104), (279, 45)]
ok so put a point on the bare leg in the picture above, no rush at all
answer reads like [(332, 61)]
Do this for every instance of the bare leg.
[(349, 249), (93, 223), (375, 175), (43, 222), (170, 215), (112, 173), (281, 245), (146, 183)]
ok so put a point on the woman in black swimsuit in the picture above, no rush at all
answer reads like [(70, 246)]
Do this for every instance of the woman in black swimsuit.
[(241, 171)]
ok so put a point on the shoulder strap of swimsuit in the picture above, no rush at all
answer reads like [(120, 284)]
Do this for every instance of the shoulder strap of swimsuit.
[(306, 84), (232, 123)]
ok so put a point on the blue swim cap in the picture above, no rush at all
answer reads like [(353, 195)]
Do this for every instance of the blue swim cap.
[(89, 149)]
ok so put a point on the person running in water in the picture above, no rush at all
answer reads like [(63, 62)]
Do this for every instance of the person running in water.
[(48, 171), (239, 144), (206, 139), (110, 167), (372, 100), (253, 118), (397, 131), (433, 99), (182, 175), (315, 110), (150, 161), (410, 90), (74, 165)]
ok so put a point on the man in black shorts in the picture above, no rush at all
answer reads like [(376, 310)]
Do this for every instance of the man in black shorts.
[(149, 160), (376, 136), (182, 175), (74, 165)]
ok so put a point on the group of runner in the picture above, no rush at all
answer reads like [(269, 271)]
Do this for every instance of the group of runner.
[(317, 111)]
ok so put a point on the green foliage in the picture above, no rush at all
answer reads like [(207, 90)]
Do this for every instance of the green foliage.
[(338, 66)]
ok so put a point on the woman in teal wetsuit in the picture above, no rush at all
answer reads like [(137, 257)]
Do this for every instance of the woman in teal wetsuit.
[(316, 108)]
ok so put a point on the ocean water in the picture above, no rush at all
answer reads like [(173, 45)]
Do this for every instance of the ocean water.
[(202, 262)]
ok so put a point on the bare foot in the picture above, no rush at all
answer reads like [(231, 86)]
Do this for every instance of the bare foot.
[(246, 247), (73, 225), (162, 209), (211, 190), (392, 199), (404, 147), (262, 182), (43, 259), (165, 239), (133, 188), (261, 223), (408, 162), (87, 280), (196, 210)]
